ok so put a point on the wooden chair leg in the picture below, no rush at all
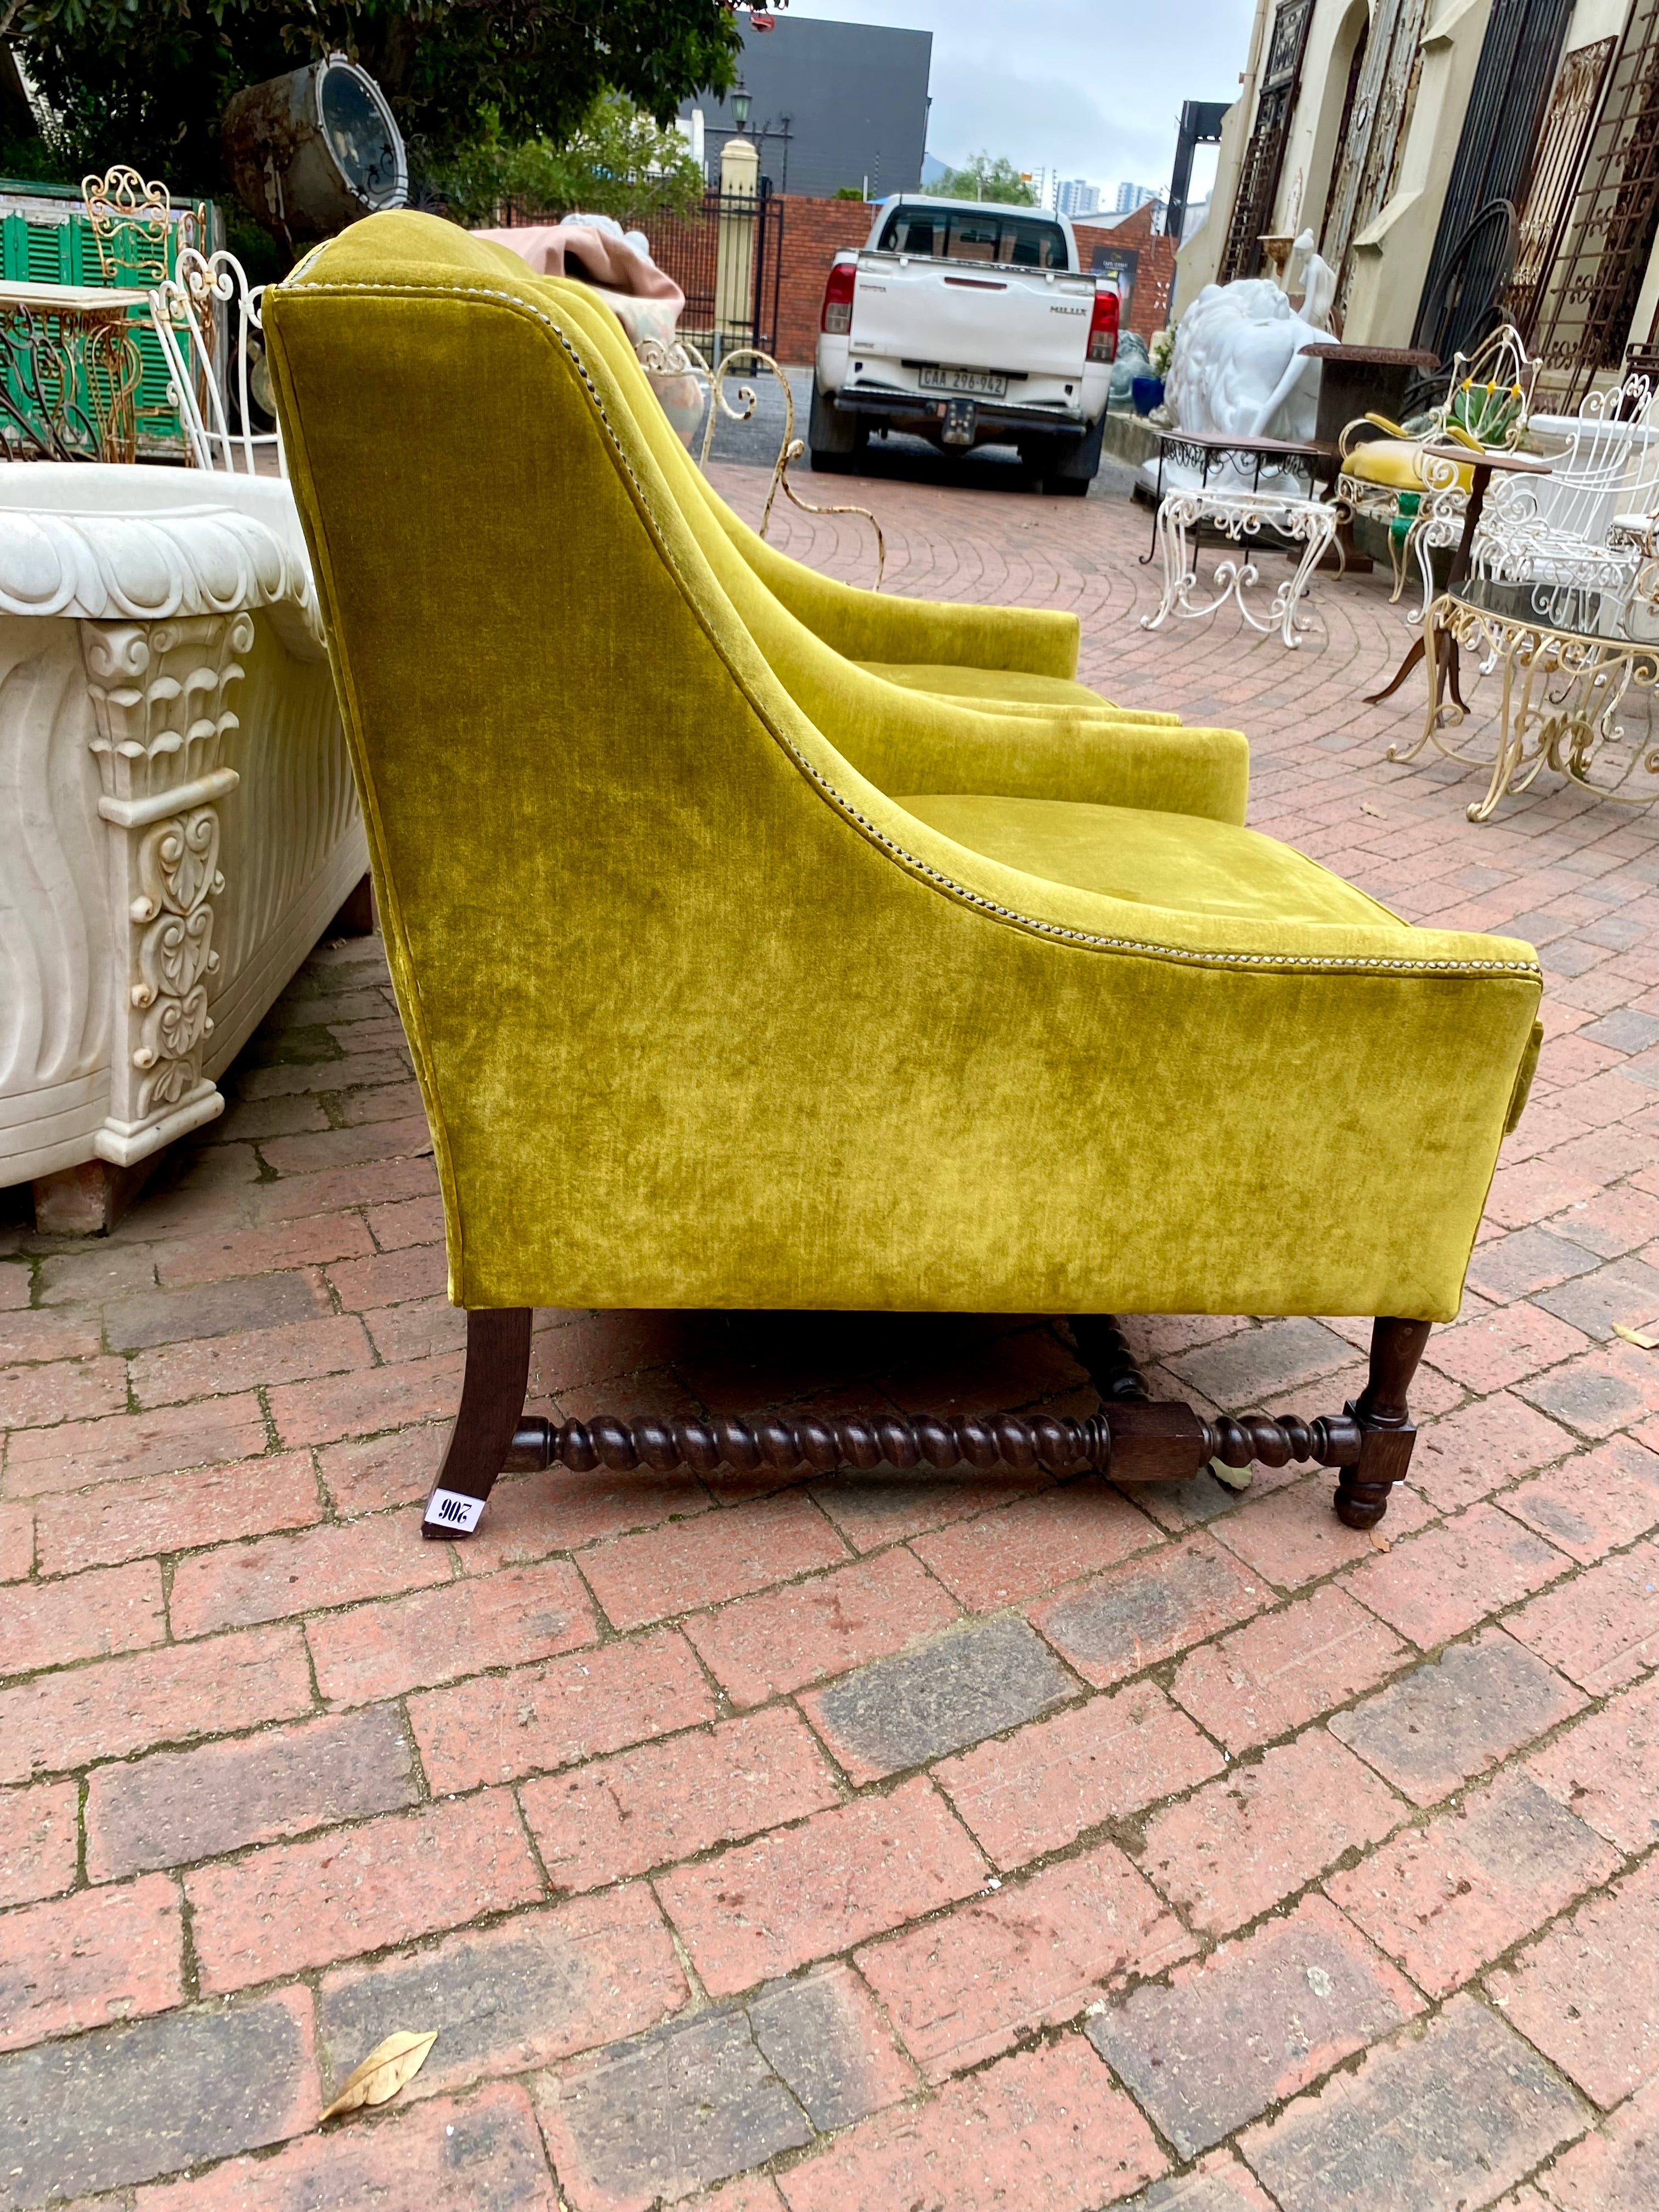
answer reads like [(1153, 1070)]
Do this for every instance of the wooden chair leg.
[(1386, 1427), (492, 1399)]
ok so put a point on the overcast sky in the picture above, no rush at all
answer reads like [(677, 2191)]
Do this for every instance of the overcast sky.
[(1090, 88)]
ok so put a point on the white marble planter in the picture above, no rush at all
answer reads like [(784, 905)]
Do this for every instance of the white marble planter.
[(178, 823)]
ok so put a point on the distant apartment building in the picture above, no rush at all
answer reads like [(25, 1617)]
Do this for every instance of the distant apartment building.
[(832, 107), (1076, 199), (1131, 196)]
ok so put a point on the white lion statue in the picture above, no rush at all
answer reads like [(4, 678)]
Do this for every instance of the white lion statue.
[(1238, 369)]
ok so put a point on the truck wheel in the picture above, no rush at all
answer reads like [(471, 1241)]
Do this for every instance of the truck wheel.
[(1078, 464), (834, 438)]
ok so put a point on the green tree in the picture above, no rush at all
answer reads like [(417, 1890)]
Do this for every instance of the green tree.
[(980, 178), (620, 162), (147, 81)]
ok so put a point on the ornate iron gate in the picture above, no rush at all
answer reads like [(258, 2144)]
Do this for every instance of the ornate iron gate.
[(1590, 287), (1370, 155), (1264, 157), (1500, 129), (727, 259), (1556, 165)]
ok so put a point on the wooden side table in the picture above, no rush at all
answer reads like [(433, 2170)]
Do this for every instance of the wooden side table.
[(1356, 380)]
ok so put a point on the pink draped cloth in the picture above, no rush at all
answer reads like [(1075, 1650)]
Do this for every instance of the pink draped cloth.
[(593, 256)]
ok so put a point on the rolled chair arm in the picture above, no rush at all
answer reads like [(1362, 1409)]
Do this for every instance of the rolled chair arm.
[(1199, 772), (865, 625)]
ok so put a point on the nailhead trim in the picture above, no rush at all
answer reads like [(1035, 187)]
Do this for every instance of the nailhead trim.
[(1336, 963)]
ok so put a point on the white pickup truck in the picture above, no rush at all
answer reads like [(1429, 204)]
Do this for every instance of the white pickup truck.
[(968, 324)]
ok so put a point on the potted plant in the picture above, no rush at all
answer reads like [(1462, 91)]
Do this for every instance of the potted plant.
[(1148, 390)]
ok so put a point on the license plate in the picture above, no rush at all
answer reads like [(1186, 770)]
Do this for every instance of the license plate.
[(982, 381)]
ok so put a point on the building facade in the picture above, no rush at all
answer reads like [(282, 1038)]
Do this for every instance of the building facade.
[(1075, 196), (834, 107), (1131, 196), (1457, 162)]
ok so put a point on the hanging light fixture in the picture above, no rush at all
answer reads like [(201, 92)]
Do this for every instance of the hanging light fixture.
[(741, 103)]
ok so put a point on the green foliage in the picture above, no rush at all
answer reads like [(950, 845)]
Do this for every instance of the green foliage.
[(620, 162), (34, 160), (980, 178), (848, 192), (147, 81)]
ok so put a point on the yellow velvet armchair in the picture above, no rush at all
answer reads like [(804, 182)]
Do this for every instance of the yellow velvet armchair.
[(738, 975)]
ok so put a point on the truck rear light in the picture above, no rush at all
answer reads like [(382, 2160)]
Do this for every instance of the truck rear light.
[(1103, 326), (838, 299)]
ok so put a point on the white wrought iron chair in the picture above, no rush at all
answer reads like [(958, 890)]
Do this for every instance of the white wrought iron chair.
[(1580, 535), (1388, 477), (186, 307)]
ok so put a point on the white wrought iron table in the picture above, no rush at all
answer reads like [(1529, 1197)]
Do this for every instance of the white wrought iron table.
[(1239, 516), (1567, 688), (1211, 453)]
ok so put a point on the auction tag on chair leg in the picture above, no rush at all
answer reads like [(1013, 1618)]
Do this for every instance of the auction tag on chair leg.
[(447, 1509)]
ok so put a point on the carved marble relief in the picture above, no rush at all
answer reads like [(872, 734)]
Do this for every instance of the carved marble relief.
[(159, 694), (183, 823)]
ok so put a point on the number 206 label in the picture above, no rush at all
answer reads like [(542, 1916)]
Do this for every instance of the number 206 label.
[(447, 1509)]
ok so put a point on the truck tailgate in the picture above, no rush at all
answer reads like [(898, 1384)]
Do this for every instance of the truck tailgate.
[(971, 317)]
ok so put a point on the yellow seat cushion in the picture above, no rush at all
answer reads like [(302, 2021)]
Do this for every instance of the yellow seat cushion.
[(1001, 688), (1395, 462), (1174, 860)]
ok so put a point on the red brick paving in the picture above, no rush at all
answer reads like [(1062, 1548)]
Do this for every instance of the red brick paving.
[(535, 1989), (1386, 1808), (962, 1987), (810, 1892), (666, 1801), (81, 1961), (1261, 1832), (292, 1906), (1447, 1899), (1587, 1992), (37, 1841), (1285, 1669), (1045, 2127)]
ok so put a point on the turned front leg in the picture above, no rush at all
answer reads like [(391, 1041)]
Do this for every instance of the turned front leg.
[(1387, 1430)]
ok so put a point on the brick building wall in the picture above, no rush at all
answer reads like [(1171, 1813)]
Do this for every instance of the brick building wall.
[(1146, 309), (814, 232)]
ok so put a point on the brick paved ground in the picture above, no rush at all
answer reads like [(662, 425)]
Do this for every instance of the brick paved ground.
[(903, 1846)]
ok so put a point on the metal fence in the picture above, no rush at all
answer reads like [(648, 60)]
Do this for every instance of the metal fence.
[(726, 256)]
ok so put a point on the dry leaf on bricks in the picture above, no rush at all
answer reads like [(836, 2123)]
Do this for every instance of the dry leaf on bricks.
[(383, 2072), (1635, 1336)]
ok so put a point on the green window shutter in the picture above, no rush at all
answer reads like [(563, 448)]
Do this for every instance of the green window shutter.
[(45, 259)]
